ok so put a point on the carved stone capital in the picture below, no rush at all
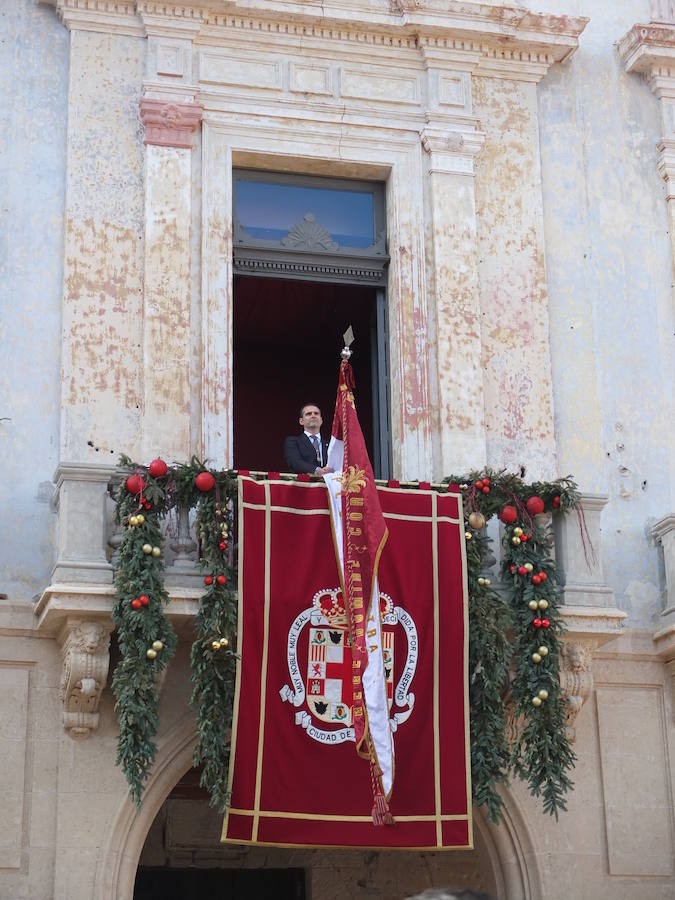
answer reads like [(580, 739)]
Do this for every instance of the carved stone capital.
[(648, 48), (85, 648), (451, 150), (169, 124)]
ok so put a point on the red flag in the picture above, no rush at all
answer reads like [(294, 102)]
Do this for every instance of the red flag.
[(361, 534)]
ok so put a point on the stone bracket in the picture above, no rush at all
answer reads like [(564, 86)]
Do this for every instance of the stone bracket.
[(85, 648), (169, 124)]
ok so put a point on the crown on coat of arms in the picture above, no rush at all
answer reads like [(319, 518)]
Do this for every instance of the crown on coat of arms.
[(331, 604)]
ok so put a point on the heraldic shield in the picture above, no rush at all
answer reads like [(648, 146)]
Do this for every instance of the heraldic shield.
[(322, 689)]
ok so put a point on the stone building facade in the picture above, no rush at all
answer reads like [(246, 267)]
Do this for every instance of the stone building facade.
[(527, 155)]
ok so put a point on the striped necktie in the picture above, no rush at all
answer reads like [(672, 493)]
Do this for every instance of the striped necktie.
[(317, 447)]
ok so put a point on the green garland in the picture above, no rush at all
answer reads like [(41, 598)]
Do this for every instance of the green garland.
[(510, 676)]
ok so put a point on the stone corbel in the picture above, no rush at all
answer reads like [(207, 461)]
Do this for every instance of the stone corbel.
[(169, 124), (576, 679), (85, 648)]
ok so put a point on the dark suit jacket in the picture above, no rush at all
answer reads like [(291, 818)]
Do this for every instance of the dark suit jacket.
[(300, 455)]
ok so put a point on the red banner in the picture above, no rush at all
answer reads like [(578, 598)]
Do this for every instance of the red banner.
[(295, 779)]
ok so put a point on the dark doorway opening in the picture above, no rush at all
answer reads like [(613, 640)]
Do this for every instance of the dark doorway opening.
[(287, 342), (235, 884)]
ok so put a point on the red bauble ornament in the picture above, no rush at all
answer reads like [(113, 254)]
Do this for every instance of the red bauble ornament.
[(144, 599), (135, 484), (522, 570), (545, 623), (145, 503), (536, 579), (524, 538), (208, 580), (534, 506), (537, 623), (204, 481), (543, 576), (486, 489), (509, 515), (136, 603), (221, 579), (512, 569), (556, 502), (157, 468), (222, 545)]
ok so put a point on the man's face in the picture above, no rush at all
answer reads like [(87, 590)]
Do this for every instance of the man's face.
[(311, 420)]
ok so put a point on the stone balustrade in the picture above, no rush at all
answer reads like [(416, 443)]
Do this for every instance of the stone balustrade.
[(76, 607)]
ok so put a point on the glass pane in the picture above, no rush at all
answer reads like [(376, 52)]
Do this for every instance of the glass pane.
[(268, 211)]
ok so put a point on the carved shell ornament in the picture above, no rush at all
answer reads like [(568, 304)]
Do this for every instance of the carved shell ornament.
[(309, 235)]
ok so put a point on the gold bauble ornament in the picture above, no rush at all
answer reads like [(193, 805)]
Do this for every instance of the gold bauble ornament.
[(157, 645), (468, 535), (215, 645), (543, 650), (150, 653), (543, 604), (133, 520), (536, 701), (224, 642), (515, 540), (477, 520), (536, 658), (543, 694), (147, 548), (156, 552), (517, 531), (533, 604), (481, 581), (529, 566), (140, 518), (487, 582)]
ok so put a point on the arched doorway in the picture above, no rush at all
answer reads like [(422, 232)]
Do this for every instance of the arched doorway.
[(176, 829)]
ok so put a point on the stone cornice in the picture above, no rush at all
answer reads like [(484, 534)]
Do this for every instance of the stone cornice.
[(504, 38), (648, 49), (663, 526)]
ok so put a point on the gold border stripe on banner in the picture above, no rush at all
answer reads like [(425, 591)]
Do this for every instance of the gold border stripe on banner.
[(465, 621), (287, 509), (437, 729), (240, 638), (263, 667), (320, 817)]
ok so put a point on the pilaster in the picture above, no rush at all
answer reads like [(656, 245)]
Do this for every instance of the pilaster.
[(453, 263), (649, 50), (169, 128)]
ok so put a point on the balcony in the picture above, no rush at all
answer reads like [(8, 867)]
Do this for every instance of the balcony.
[(76, 607)]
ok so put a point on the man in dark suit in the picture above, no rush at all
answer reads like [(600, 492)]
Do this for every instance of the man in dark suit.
[(308, 452)]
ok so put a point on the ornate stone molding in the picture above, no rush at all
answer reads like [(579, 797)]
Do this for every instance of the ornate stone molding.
[(169, 124), (508, 39), (85, 647)]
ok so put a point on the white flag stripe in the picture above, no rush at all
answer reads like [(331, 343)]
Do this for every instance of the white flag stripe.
[(374, 686)]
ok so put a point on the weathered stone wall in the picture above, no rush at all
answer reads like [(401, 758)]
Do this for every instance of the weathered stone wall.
[(609, 268), (33, 117)]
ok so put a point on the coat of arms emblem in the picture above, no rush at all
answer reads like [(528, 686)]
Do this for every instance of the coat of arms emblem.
[(321, 689)]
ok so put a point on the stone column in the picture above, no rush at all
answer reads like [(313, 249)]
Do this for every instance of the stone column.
[(169, 128), (80, 500)]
